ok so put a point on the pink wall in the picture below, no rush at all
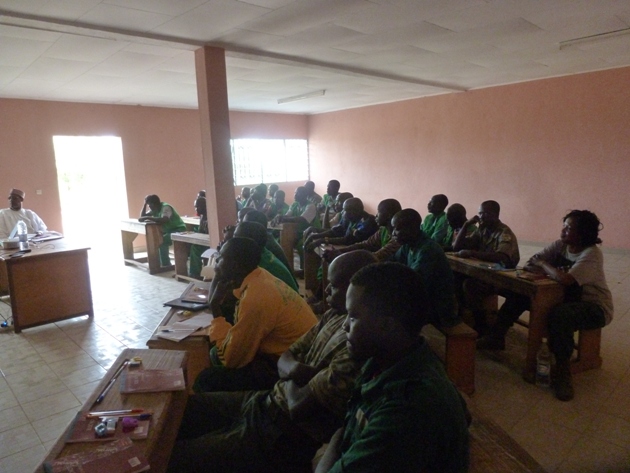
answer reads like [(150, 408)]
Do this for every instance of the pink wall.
[(161, 147), (539, 148)]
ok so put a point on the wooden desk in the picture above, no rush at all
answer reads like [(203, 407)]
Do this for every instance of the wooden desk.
[(543, 293), (191, 222), (49, 284), (130, 229), (288, 237), (196, 345), (181, 247), (167, 407)]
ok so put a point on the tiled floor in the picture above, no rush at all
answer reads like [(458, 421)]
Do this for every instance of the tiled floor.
[(47, 373)]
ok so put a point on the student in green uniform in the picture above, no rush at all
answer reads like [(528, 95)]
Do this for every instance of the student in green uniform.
[(435, 224), (405, 415), (154, 210)]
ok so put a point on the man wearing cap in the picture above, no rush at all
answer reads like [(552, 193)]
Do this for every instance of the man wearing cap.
[(11, 216)]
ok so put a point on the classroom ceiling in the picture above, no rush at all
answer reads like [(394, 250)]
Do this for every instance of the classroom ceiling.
[(360, 52)]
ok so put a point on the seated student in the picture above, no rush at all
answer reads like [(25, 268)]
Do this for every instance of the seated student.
[(11, 216), (164, 214), (356, 225), (272, 245), (456, 217), (334, 211), (281, 207), (259, 201), (435, 224), (312, 196), (273, 188), (194, 270), (281, 429), (405, 415), (576, 262), (268, 261), (269, 317), (332, 191), (381, 242), (303, 213), (492, 241), (426, 257), (243, 197)]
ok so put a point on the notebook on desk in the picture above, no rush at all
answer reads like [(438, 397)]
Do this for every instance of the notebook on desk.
[(181, 304)]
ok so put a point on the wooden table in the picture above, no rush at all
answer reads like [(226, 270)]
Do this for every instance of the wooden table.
[(543, 293), (196, 345), (191, 222), (48, 284), (167, 407), (288, 237), (182, 242), (130, 228)]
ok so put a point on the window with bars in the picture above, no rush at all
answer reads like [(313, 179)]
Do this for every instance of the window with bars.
[(255, 161)]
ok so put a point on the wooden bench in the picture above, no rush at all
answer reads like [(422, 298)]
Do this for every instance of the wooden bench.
[(493, 450), (182, 241), (459, 357)]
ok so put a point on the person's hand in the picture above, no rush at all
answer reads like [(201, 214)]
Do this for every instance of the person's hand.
[(311, 232), (222, 291), (465, 254), (313, 244), (472, 221), (330, 255)]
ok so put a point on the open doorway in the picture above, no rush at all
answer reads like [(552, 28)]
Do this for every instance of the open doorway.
[(92, 191)]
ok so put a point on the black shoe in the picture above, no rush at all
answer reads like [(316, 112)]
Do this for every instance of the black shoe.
[(491, 343)]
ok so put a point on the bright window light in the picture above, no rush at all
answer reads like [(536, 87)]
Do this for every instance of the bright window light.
[(268, 161)]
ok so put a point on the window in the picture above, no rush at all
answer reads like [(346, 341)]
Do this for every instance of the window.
[(255, 161)]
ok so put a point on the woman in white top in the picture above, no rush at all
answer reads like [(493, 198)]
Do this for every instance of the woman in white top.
[(576, 262)]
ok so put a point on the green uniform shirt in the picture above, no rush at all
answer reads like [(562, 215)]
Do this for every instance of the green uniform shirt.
[(272, 264), (175, 223), (409, 418), (435, 226), (427, 258)]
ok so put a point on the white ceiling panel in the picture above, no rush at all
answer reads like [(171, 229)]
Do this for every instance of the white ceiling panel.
[(361, 52), (124, 18)]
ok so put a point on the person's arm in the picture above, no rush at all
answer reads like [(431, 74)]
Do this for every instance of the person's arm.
[(559, 275), (332, 453), (241, 345), (440, 230), (291, 369), (167, 213), (460, 242)]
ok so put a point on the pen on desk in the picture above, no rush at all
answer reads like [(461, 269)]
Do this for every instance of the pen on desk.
[(111, 382), (115, 413)]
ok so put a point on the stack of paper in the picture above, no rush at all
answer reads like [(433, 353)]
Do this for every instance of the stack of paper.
[(180, 330)]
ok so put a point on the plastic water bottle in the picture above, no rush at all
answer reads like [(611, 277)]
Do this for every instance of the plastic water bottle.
[(22, 234), (543, 365)]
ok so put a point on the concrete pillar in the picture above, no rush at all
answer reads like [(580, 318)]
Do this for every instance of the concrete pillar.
[(215, 139)]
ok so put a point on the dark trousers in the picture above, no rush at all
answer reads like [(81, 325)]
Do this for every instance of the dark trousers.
[(563, 320), (240, 432), (260, 374)]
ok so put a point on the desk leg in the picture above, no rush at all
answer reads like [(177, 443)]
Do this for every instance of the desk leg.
[(541, 304), (311, 264), (181, 250), (154, 240), (288, 237), (127, 244)]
